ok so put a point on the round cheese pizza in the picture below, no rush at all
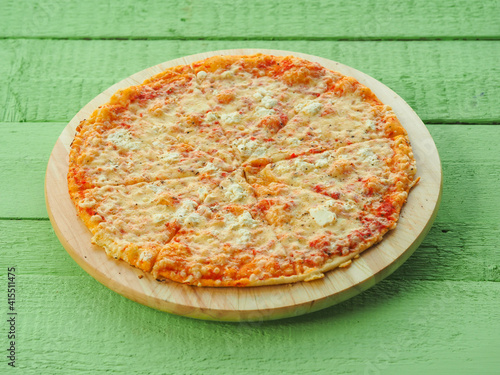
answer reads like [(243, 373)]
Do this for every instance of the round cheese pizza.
[(241, 171)]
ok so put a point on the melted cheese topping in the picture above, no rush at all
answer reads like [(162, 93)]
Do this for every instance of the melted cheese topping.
[(322, 215), (235, 192), (122, 138), (240, 171)]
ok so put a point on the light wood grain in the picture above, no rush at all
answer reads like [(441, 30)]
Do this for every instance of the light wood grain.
[(257, 303)]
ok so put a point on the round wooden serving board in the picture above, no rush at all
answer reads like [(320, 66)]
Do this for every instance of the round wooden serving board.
[(254, 303)]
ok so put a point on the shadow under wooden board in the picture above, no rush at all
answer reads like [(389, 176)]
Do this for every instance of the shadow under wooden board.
[(262, 302)]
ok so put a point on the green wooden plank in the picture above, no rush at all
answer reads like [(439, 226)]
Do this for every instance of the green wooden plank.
[(455, 251), (252, 19), (471, 171), (25, 152), (453, 81), (34, 249), (73, 324)]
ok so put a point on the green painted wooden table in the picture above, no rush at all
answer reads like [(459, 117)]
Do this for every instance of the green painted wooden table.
[(437, 314)]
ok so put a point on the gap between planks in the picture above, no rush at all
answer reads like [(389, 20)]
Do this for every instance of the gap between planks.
[(341, 38), (24, 218)]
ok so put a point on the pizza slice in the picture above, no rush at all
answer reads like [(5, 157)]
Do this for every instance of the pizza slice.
[(184, 116), (365, 175), (335, 119), (227, 247), (119, 157), (252, 99), (132, 222), (317, 232)]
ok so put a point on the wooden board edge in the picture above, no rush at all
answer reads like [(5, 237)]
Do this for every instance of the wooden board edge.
[(244, 315)]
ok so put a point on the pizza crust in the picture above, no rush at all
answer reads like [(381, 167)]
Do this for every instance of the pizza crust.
[(276, 170)]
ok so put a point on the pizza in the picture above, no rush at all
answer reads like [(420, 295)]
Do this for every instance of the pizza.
[(241, 171)]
